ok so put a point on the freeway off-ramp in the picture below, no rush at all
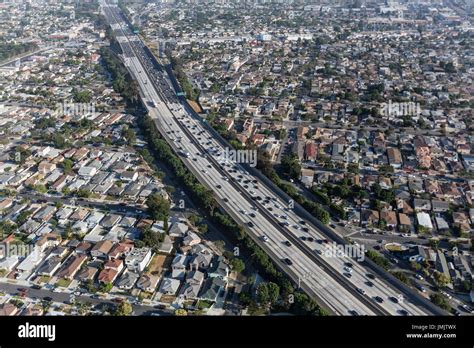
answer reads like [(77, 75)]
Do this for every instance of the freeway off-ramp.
[(325, 278)]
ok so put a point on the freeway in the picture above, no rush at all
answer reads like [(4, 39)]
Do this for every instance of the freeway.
[(339, 283)]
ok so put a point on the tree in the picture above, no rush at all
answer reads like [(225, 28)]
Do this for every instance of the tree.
[(68, 230), (106, 287), (237, 265), (440, 301), (180, 312), (353, 168), (263, 295), (158, 207), (129, 135), (151, 239), (124, 308), (67, 165), (291, 166), (441, 279), (401, 276), (273, 292)]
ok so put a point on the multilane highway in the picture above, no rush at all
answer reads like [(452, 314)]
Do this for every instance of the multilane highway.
[(338, 282)]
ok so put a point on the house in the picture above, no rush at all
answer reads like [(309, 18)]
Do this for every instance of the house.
[(404, 207), (45, 214), (191, 288), (8, 309), (83, 247), (107, 276), (127, 280), (121, 249), (71, 266), (369, 217), (307, 177), (33, 310), (442, 224), (115, 264), (46, 167), (6, 203), (211, 288), (191, 239), (218, 268), (169, 286), (424, 220), (94, 218), (138, 259), (439, 206), (31, 261), (102, 248), (79, 214), (201, 261), (48, 240), (461, 220), (129, 176), (394, 157), (49, 267), (422, 204), (87, 172), (178, 230), (178, 266), (354, 217), (390, 218), (166, 247), (148, 282), (416, 185), (87, 273), (110, 220)]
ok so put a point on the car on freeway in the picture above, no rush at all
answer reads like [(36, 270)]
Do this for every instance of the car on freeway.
[(347, 274), (446, 294), (419, 276), (288, 243), (369, 283), (421, 288), (288, 261), (265, 238), (362, 291), (250, 224), (370, 276), (378, 299), (348, 269)]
